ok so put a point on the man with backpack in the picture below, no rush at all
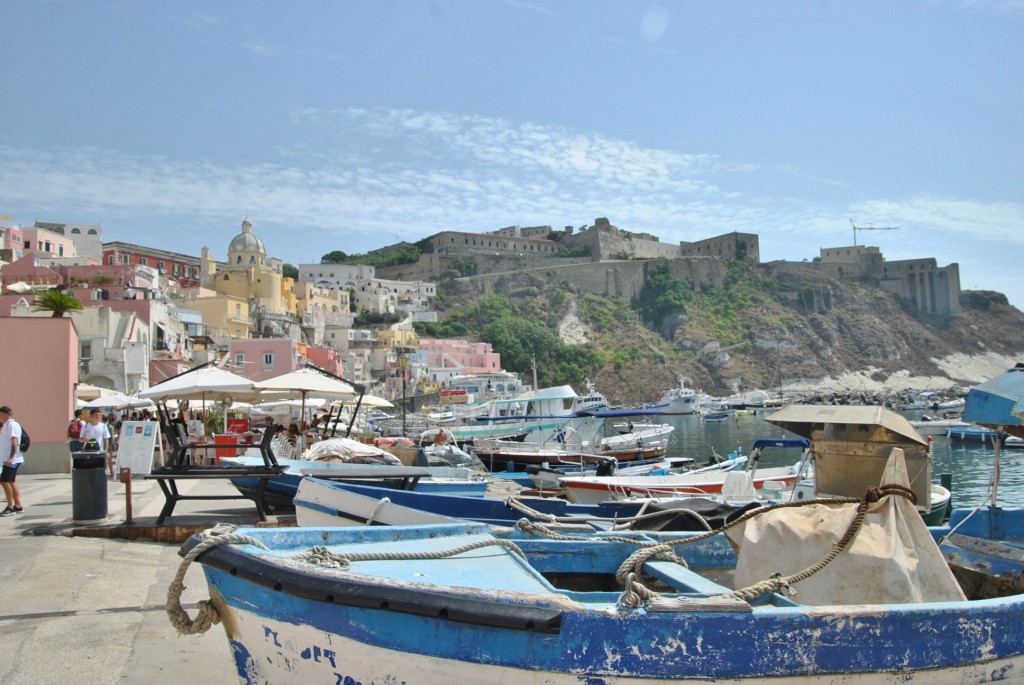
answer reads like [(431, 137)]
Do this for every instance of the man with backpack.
[(11, 457), (75, 432)]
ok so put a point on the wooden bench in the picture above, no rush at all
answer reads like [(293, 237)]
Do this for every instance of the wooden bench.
[(178, 468)]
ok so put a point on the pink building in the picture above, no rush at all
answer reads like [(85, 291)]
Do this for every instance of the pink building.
[(39, 367), (448, 358), (328, 359), (262, 358)]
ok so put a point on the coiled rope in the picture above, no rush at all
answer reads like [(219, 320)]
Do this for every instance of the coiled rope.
[(207, 615)]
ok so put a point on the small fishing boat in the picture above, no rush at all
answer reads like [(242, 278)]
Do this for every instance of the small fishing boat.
[(928, 425), (331, 503), (342, 457), (786, 595), (717, 478), (971, 432)]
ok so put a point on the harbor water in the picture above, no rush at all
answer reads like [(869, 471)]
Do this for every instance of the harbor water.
[(970, 463)]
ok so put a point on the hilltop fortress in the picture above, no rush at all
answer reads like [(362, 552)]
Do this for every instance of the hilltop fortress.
[(607, 260)]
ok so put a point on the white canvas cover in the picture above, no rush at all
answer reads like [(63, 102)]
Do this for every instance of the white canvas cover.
[(892, 560)]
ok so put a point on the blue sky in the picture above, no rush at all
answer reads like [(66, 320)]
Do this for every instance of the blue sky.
[(349, 125)]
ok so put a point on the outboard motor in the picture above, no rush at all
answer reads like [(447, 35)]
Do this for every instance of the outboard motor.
[(607, 467)]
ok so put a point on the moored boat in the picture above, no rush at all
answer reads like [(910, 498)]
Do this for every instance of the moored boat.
[(476, 604)]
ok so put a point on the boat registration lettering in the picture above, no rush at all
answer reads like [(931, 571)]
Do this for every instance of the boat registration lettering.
[(286, 652)]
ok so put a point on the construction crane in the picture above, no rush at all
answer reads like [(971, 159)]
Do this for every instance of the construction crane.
[(869, 228)]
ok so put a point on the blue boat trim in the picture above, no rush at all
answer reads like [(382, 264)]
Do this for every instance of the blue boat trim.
[(358, 591)]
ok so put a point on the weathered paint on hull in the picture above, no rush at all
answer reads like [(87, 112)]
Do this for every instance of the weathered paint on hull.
[(271, 652), (789, 645)]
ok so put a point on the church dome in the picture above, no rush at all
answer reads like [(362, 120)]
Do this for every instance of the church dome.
[(246, 250), (246, 241)]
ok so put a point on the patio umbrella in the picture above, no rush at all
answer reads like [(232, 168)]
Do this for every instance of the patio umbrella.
[(87, 392), (998, 404), (203, 383), (304, 382), (117, 400)]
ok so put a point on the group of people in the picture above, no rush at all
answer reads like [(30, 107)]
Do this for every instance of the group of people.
[(98, 433)]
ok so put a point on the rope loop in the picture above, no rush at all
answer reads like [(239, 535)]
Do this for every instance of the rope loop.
[(207, 615)]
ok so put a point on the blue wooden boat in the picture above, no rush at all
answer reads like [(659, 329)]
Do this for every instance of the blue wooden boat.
[(972, 433), (322, 502), (458, 603), (281, 490), (786, 594)]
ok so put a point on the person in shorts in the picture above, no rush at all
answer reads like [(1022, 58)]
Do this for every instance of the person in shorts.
[(12, 458)]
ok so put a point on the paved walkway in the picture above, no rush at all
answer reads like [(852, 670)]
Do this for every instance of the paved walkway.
[(77, 609)]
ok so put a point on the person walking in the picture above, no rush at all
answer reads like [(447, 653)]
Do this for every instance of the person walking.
[(12, 458), (75, 432), (96, 436)]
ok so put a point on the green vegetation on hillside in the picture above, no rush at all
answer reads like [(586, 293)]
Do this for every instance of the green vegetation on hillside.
[(403, 254), (521, 339)]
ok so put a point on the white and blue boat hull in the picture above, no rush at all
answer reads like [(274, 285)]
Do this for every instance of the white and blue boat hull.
[(493, 618)]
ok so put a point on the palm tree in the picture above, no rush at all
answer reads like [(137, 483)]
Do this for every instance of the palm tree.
[(57, 302)]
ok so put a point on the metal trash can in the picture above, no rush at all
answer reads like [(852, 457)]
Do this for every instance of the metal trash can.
[(89, 487)]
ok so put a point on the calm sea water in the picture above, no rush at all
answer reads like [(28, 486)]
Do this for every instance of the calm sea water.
[(970, 463)]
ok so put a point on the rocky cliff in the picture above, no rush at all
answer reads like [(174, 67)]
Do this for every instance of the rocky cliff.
[(785, 327)]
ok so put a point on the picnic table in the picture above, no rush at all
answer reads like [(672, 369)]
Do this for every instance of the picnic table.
[(179, 467)]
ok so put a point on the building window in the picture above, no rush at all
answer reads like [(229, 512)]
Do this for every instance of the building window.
[(239, 360), (177, 270), (238, 311), (160, 266), (86, 350), (124, 259), (268, 361), (110, 259), (143, 261)]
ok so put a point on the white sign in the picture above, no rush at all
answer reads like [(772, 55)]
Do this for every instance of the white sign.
[(136, 444)]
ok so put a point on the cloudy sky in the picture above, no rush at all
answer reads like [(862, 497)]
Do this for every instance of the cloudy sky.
[(348, 125)]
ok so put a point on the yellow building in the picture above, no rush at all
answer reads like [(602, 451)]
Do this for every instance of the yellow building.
[(223, 315), (248, 275)]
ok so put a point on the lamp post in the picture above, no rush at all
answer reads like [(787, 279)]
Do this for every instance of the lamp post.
[(403, 363)]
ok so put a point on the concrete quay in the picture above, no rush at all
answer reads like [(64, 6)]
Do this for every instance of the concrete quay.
[(82, 609)]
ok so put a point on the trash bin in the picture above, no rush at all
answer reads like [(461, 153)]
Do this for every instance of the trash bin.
[(89, 487)]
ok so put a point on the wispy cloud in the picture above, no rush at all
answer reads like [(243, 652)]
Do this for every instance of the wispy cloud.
[(261, 47), (386, 172), (997, 7)]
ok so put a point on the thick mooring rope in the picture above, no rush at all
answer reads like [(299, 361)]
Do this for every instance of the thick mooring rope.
[(322, 556), (523, 508), (207, 615)]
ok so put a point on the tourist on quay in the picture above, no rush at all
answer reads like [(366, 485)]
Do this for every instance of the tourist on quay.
[(96, 436), (75, 432), (12, 458)]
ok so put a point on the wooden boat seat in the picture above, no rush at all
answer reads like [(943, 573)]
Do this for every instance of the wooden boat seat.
[(683, 579)]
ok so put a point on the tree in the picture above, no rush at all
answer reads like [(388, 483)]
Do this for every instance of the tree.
[(57, 302), (336, 257), (290, 271)]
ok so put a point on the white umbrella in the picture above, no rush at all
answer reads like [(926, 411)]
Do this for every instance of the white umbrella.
[(84, 391), (371, 401), (203, 383), (117, 400), (304, 382)]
